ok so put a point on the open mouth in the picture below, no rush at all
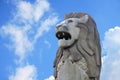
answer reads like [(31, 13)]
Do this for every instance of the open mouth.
[(63, 35)]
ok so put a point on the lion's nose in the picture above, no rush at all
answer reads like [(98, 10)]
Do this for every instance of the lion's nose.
[(62, 28), (58, 26)]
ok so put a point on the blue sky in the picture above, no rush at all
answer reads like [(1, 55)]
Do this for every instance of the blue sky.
[(27, 36)]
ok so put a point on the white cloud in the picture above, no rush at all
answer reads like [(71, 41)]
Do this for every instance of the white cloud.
[(50, 78), (28, 18), (27, 12), (112, 37), (111, 49), (41, 7), (19, 39), (24, 73), (29, 23)]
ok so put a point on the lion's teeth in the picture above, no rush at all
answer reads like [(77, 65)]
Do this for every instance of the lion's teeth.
[(58, 35), (63, 33)]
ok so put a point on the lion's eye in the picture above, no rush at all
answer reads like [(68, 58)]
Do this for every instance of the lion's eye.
[(69, 21)]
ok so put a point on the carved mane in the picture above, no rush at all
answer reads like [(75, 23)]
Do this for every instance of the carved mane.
[(90, 42)]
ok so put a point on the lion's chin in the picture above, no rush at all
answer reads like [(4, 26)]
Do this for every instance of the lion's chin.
[(65, 43)]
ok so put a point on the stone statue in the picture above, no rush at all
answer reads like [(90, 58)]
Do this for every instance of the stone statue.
[(79, 53)]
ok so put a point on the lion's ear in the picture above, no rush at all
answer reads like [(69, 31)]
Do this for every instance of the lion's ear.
[(84, 18)]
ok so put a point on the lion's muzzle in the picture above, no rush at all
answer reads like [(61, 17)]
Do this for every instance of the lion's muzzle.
[(63, 35)]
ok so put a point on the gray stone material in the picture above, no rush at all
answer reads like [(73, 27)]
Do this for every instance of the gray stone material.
[(79, 53)]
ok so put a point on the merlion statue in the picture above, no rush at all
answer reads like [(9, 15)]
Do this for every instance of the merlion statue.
[(79, 53)]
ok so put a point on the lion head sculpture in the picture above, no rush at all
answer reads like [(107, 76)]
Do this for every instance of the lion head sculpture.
[(79, 30)]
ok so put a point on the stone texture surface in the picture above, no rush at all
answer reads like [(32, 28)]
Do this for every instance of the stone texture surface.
[(71, 71), (79, 53)]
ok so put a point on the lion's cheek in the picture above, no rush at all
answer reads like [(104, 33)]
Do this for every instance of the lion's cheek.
[(74, 32)]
